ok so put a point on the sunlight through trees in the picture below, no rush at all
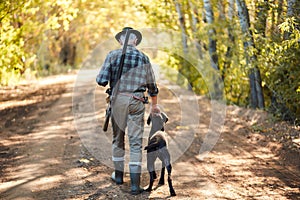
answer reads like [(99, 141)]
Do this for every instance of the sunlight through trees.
[(253, 44)]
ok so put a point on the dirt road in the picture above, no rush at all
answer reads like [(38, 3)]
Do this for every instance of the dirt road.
[(52, 147)]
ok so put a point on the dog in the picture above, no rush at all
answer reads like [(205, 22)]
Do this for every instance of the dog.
[(157, 148)]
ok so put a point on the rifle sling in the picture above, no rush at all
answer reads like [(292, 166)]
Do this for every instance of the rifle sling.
[(116, 87)]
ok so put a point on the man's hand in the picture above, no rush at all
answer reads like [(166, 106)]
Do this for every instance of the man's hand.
[(155, 109)]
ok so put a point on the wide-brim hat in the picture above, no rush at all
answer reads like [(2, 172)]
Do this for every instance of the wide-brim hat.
[(137, 33)]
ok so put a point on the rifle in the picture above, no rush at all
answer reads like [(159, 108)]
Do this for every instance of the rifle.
[(110, 91), (108, 110)]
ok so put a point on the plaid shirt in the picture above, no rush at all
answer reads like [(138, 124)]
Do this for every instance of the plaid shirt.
[(137, 74)]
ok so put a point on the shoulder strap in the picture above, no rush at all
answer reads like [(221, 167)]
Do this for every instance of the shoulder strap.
[(116, 87), (123, 55)]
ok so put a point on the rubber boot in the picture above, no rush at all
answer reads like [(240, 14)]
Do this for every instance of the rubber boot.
[(135, 175), (117, 175)]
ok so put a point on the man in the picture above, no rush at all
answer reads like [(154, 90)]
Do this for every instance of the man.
[(127, 103)]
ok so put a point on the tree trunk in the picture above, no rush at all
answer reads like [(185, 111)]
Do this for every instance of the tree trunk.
[(260, 26), (195, 23), (256, 93), (217, 94), (184, 43), (253, 92), (212, 47), (259, 90), (228, 54), (68, 52), (182, 26)]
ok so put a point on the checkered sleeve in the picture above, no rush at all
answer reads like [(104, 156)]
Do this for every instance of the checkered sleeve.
[(151, 83), (104, 75)]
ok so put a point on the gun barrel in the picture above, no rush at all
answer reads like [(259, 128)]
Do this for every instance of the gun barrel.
[(106, 122), (107, 116)]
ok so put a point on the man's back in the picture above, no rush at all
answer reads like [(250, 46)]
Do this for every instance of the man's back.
[(137, 73)]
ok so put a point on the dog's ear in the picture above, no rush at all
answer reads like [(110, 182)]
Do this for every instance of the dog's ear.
[(165, 117), (149, 120)]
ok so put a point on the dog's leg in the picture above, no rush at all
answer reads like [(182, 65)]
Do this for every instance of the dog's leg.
[(154, 175), (172, 191), (167, 162), (162, 176), (151, 157), (164, 156), (149, 189)]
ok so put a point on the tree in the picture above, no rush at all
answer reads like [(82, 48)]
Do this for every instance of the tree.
[(231, 12), (212, 47), (181, 20), (195, 24), (256, 93), (184, 38), (52, 36)]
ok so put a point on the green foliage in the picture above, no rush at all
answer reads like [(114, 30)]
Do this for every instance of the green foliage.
[(23, 28), (276, 40), (160, 14), (14, 59), (50, 36), (280, 64)]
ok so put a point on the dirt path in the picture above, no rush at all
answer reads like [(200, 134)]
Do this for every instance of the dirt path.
[(51, 148)]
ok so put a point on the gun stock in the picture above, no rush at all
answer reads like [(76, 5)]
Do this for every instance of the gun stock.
[(107, 116)]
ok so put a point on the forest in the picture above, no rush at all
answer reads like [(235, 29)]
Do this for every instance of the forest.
[(252, 44)]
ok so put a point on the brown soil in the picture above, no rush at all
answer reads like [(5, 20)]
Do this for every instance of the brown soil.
[(43, 157)]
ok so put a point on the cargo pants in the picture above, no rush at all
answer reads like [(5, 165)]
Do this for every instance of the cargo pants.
[(128, 112)]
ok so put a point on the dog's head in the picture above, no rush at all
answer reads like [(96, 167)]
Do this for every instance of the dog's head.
[(158, 121)]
